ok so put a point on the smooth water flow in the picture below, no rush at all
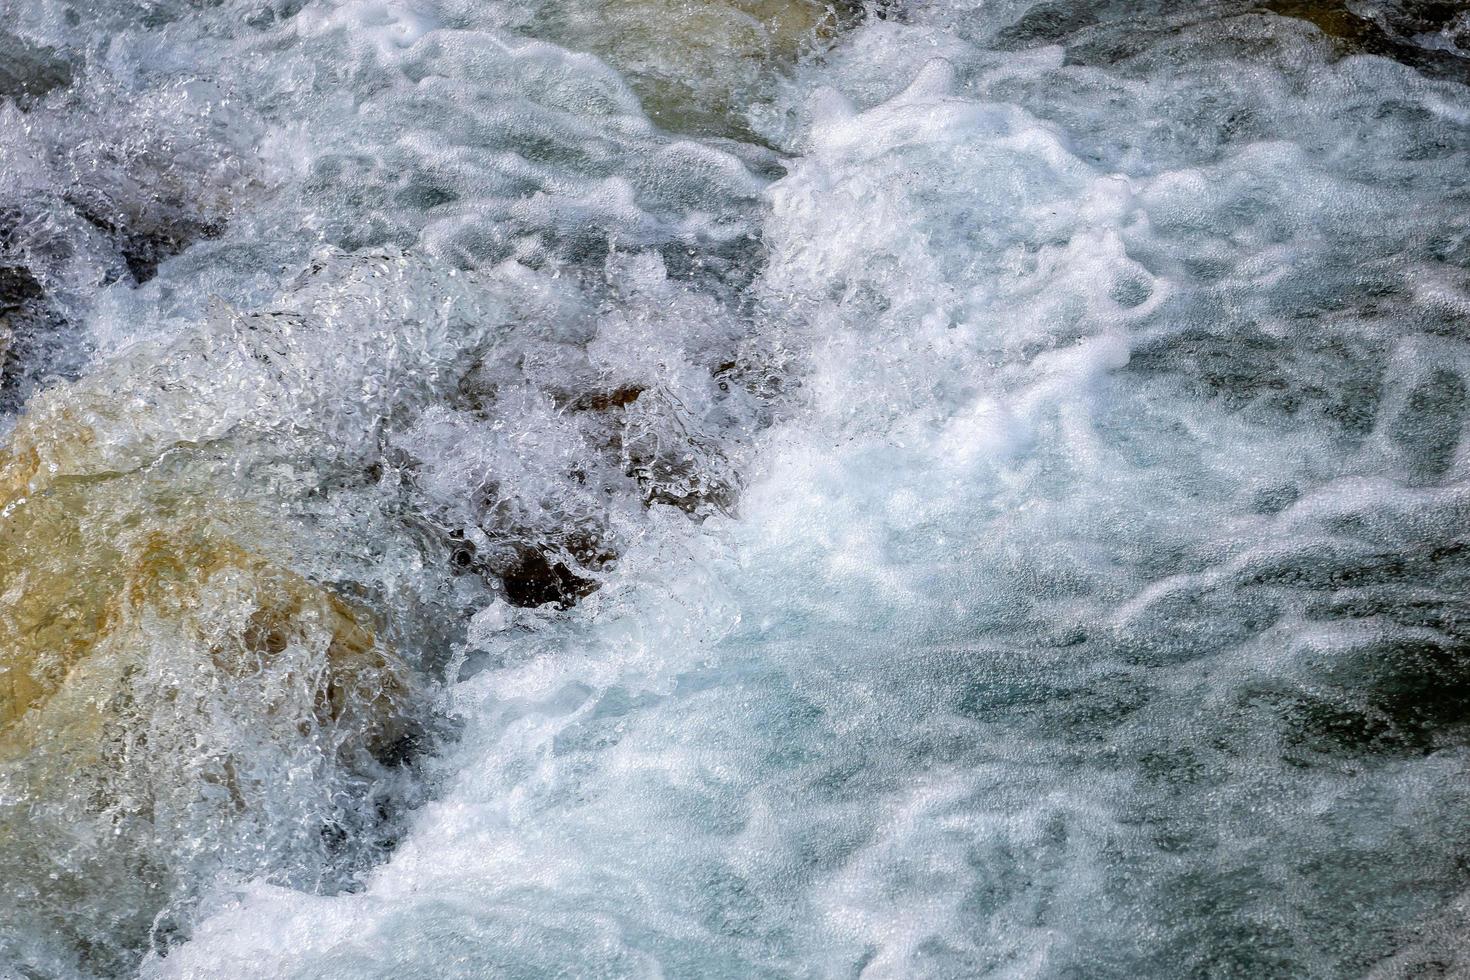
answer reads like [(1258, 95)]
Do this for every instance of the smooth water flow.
[(734, 488)]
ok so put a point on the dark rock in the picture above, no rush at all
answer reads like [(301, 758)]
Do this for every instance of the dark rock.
[(1392, 34), (532, 573), (1047, 23), (1428, 427), (605, 401), (28, 71), (18, 290), (534, 579), (1278, 381), (144, 241), (34, 342)]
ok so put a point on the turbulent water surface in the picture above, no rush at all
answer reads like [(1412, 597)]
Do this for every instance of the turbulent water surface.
[(734, 488)]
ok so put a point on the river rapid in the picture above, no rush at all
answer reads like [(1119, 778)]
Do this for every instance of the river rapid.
[(734, 488)]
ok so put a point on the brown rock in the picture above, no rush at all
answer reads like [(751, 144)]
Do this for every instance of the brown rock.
[(696, 63), (83, 559), (162, 666)]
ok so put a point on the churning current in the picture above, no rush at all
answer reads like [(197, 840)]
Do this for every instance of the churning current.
[(734, 489)]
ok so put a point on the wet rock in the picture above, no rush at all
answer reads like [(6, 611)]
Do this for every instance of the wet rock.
[(706, 59), (1046, 23), (1428, 427), (18, 289), (1432, 36), (531, 573), (19, 292), (83, 560), (56, 622), (686, 472), (34, 342), (1393, 30), (145, 236), (29, 71), (641, 443), (532, 578), (604, 401), (693, 476), (164, 675), (1271, 378)]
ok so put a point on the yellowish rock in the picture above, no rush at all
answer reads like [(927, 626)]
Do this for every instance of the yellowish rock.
[(696, 63), (83, 558), (175, 696)]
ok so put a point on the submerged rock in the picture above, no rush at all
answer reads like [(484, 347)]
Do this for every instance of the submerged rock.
[(28, 71), (34, 341), (19, 291), (1430, 35), (69, 590), (697, 64), (175, 700), (144, 236)]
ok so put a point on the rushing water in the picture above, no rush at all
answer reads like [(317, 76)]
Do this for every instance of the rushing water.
[(734, 488)]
